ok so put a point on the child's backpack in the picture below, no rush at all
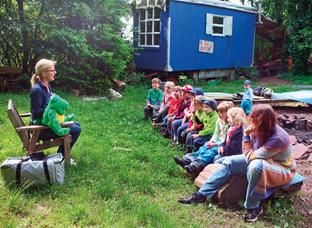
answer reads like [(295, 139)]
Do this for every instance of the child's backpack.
[(263, 92)]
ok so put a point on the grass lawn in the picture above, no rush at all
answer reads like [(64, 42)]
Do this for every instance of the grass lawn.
[(125, 175)]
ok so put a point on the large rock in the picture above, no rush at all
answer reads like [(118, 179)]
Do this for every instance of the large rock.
[(231, 192), (299, 150), (234, 190)]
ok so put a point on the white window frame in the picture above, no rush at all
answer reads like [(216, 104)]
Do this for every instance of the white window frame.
[(145, 33), (226, 26)]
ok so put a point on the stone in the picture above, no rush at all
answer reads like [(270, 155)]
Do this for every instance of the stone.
[(293, 139), (290, 123), (119, 85), (207, 172), (235, 189), (299, 150), (114, 95), (231, 192), (309, 125), (301, 125), (282, 118), (286, 116), (310, 158), (301, 116)]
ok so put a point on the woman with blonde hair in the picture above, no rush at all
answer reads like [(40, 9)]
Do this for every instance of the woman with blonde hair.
[(40, 88), (40, 94), (266, 161)]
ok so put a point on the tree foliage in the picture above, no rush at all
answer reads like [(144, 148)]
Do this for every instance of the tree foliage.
[(296, 17), (83, 36)]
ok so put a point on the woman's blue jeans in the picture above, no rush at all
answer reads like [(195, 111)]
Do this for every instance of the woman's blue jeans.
[(232, 165)]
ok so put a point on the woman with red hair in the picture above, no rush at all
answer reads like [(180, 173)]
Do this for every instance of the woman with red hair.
[(266, 161)]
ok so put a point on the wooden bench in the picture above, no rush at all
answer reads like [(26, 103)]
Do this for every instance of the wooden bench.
[(29, 134)]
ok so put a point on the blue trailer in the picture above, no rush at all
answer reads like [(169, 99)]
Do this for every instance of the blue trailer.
[(193, 35)]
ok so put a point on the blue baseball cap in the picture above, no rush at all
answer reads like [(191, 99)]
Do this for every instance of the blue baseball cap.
[(212, 103), (197, 91), (247, 82)]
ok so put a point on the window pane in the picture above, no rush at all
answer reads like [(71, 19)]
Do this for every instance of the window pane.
[(150, 13), (149, 26), (142, 26), (156, 39), (217, 30), (142, 15), (142, 39), (143, 3), (218, 20), (149, 39), (156, 26), (151, 2), (156, 13)]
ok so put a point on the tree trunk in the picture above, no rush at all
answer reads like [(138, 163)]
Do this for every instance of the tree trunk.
[(25, 38)]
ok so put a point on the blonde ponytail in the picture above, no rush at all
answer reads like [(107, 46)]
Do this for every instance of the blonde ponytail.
[(34, 79)]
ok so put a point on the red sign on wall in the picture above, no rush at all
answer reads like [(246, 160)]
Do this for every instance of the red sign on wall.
[(205, 46)]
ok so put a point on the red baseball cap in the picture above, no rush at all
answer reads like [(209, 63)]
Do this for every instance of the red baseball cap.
[(187, 88)]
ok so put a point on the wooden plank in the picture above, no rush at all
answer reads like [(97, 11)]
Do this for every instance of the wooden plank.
[(31, 127), (219, 97), (10, 70), (25, 114), (17, 122), (50, 143)]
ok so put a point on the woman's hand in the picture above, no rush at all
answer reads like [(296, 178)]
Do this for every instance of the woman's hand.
[(249, 129)]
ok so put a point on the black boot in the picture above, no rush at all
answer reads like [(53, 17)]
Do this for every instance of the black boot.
[(191, 169), (180, 161), (194, 198)]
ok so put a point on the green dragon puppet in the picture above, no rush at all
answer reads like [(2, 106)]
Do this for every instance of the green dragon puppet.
[(54, 115)]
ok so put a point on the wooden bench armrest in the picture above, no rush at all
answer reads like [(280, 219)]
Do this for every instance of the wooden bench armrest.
[(42, 127), (67, 124), (28, 114), (31, 127)]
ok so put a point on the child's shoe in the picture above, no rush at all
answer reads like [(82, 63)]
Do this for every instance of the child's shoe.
[(194, 198), (155, 124), (252, 215), (190, 169), (194, 170), (181, 161)]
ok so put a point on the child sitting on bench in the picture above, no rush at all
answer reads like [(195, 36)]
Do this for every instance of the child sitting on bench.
[(196, 162)]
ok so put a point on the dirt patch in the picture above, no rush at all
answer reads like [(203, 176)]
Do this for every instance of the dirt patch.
[(273, 81), (304, 202)]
